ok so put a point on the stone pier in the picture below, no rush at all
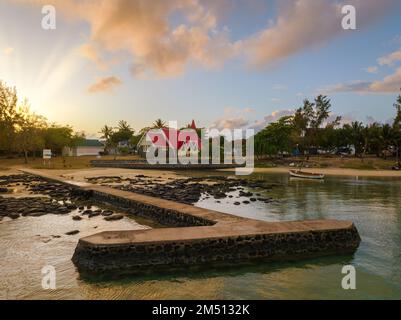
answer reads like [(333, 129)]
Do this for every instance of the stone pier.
[(142, 164), (196, 236)]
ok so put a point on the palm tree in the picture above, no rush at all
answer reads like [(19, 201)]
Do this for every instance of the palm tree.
[(124, 126), (106, 132), (159, 124)]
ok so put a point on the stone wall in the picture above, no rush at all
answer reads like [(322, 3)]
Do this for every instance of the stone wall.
[(135, 164), (142, 257), (163, 216), (215, 237)]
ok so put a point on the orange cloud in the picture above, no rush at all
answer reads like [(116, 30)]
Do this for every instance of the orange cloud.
[(390, 59), (89, 52), (302, 24), (143, 29), (105, 84), (389, 84), (158, 47)]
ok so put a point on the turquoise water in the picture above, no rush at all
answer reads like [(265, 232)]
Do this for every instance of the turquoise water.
[(373, 204)]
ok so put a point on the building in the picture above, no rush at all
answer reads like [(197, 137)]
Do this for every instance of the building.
[(185, 141), (88, 147)]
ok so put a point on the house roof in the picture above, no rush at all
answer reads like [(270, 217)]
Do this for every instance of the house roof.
[(193, 125), (163, 138), (90, 143)]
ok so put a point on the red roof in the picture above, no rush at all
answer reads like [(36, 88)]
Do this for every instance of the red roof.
[(193, 125), (162, 138)]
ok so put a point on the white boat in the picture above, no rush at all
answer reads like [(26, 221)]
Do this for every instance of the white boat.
[(306, 175)]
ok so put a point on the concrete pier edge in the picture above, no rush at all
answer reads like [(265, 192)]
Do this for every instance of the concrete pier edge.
[(198, 236)]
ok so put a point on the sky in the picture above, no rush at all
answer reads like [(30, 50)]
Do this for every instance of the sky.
[(224, 63)]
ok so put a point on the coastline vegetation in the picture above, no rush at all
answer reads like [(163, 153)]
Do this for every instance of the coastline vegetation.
[(312, 131), (24, 132), (311, 134)]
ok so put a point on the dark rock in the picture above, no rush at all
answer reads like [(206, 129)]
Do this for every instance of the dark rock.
[(94, 214), (76, 218), (114, 217), (71, 233), (37, 214), (13, 216)]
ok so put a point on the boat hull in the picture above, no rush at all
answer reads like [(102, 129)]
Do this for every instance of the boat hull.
[(306, 175)]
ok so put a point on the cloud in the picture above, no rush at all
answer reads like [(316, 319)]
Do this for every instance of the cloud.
[(8, 51), (248, 110), (105, 84), (163, 37), (372, 69), (389, 84), (302, 24), (390, 59), (230, 123), (145, 30), (89, 52), (273, 117), (233, 118)]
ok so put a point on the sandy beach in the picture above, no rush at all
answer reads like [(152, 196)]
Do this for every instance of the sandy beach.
[(80, 175), (336, 172)]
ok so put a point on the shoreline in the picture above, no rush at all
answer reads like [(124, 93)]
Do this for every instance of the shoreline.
[(80, 173), (336, 172)]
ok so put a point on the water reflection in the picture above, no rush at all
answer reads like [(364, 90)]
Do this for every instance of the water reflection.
[(373, 204)]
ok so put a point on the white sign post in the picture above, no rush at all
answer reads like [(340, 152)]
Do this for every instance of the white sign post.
[(47, 155)]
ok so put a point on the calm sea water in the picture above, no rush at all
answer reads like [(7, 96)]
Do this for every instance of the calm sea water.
[(26, 245)]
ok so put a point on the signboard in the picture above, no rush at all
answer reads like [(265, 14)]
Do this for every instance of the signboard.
[(47, 154)]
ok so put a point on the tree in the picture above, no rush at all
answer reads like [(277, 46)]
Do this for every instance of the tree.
[(159, 124), (29, 131), (57, 137), (275, 138), (8, 116), (107, 132), (397, 129), (124, 132)]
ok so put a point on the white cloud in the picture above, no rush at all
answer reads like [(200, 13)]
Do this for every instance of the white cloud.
[(389, 84), (273, 117), (233, 118), (390, 59), (230, 123)]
